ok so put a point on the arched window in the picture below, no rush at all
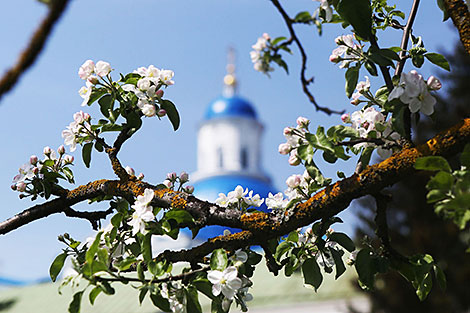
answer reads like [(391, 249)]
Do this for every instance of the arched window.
[(220, 158), (244, 158)]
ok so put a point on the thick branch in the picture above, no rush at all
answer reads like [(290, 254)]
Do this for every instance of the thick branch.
[(458, 12), (305, 82), (30, 54)]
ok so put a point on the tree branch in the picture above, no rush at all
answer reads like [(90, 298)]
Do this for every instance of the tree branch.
[(406, 36), (30, 54), (458, 12), (305, 82)]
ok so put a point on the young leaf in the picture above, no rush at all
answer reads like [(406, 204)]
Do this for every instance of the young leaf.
[(312, 273), (193, 304), (432, 163), (438, 59), (160, 302), (106, 104), (218, 260), (93, 294), (351, 76), (364, 268), (339, 265), (57, 266), (440, 277), (90, 254), (343, 240), (86, 153), (358, 13), (74, 306), (172, 113)]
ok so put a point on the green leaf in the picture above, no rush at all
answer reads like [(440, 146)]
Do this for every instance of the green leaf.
[(312, 273), (133, 121), (146, 247), (351, 76), (282, 249), (305, 152), (398, 120), (93, 294), (96, 94), (57, 266), (440, 277), (364, 267), (277, 40), (193, 304), (160, 302), (465, 156), (218, 260), (417, 60), (441, 5), (172, 113), (106, 288), (106, 105), (90, 254), (438, 59), (343, 240), (339, 265), (142, 294), (424, 287), (432, 163), (371, 68), (442, 180), (358, 13), (68, 174), (180, 216), (86, 153), (74, 306), (303, 17), (389, 54)]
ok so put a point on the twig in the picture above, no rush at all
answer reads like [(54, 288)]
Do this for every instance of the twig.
[(305, 82), (92, 217), (376, 141), (405, 38), (30, 54)]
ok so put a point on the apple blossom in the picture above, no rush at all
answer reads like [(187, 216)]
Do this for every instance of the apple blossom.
[(85, 93), (130, 170), (434, 83), (143, 212), (303, 122), (47, 150), (255, 201), (159, 93), (144, 84), (102, 68), (68, 159), (188, 189), (347, 51), (166, 76), (225, 282), (161, 113), (184, 177), (276, 201), (346, 118), (140, 176), (326, 7), (168, 183), (61, 150), (20, 186), (294, 160), (86, 69), (222, 200), (293, 181), (33, 160)]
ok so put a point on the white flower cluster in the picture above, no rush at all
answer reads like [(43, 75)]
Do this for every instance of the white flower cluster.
[(295, 138), (371, 123), (131, 172), (414, 91), (147, 89), (257, 54), (143, 212), (239, 197), (176, 296), (347, 51), (362, 88), (91, 73), (78, 131), (32, 169), (298, 186)]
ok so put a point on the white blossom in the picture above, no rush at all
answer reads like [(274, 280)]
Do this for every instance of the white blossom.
[(326, 7), (225, 282), (276, 201), (143, 212), (85, 93), (87, 68), (102, 68)]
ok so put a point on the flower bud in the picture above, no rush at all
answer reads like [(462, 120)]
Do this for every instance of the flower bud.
[(33, 160), (47, 151), (130, 171), (338, 40), (294, 160), (284, 148), (171, 176), (93, 80), (13, 187), (355, 101), (159, 93), (61, 150), (161, 113), (293, 181), (184, 177), (20, 186), (22, 195), (35, 170), (266, 36), (303, 122), (189, 189), (334, 58), (140, 176), (346, 118), (434, 83), (287, 131), (86, 117), (68, 159), (168, 183)]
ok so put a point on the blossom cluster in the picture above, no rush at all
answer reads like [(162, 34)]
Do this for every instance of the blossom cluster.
[(347, 51), (35, 169), (92, 73), (414, 91), (147, 89), (295, 138), (78, 131), (240, 198), (261, 47), (172, 178), (143, 212)]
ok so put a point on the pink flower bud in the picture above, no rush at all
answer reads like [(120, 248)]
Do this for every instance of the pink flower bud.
[(168, 183), (303, 122), (159, 93), (184, 177), (140, 176), (294, 160), (35, 170), (189, 189), (338, 40), (266, 36), (47, 151), (33, 160), (86, 117), (346, 118), (68, 159), (161, 113), (434, 83), (334, 58), (293, 181), (20, 186), (93, 80), (130, 170), (355, 101), (61, 150), (13, 187), (284, 148), (171, 176), (287, 131)]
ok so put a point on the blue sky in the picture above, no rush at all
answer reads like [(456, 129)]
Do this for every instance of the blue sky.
[(189, 37)]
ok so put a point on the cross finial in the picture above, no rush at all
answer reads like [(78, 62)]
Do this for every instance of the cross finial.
[(230, 81)]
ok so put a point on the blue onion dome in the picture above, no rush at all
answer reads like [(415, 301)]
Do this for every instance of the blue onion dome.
[(210, 187), (232, 106)]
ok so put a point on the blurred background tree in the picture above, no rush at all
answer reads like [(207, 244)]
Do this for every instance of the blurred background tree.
[(413, 225)]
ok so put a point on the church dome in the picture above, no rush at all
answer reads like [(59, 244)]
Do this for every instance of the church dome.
[(233, 106)]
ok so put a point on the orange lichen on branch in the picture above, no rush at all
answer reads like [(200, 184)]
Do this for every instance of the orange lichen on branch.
[(243, 235), (458, 11)]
